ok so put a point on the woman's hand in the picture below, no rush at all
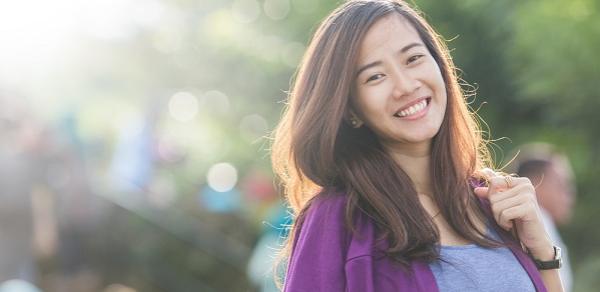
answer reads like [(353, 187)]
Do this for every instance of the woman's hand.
[(513, 199)]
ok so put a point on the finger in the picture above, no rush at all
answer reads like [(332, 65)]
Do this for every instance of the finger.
[(486, 174), (503, 195), (507, 215), (497, 184), (510, 202), (524, 212), (516, 181)]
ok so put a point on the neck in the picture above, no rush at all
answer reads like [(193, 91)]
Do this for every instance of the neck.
[(415, 161)]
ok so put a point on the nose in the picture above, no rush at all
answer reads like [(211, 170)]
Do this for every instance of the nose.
[(404, 83)]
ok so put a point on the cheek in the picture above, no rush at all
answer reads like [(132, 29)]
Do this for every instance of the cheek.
[(432, 75), (444, 96), (439, 80), (440, 87), (369, 101), (358, 106)]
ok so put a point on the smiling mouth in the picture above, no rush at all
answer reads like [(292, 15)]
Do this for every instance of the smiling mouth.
[(413, 109)]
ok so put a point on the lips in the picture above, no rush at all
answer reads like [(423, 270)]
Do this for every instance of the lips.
[(413, 108)]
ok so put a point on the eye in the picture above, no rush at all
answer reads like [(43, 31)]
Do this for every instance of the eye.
[(414, 58), (374, 77)]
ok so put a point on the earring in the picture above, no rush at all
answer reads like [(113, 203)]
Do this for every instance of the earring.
[(355, 122)]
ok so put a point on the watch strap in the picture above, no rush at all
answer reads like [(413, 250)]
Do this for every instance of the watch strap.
[(553, 264)]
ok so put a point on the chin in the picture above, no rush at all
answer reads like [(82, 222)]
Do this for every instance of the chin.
[(414, 139), (423, 137)]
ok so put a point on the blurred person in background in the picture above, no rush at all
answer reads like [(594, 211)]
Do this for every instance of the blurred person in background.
[(47, 214), (550, 171), (19, 176), (134, 160)]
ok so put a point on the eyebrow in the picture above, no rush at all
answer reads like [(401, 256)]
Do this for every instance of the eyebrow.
[(377, 63)]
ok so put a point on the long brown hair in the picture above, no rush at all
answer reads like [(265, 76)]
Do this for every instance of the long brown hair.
[(315, 148)]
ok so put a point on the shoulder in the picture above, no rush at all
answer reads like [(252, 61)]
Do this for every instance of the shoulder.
[(327, 256), (324, 223), (327, 212), (324, 217), (327, 205)]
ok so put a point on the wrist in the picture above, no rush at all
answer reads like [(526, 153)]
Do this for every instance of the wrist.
[(543, 253), (541, 249)]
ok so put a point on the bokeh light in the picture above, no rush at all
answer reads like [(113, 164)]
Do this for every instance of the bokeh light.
[(217, 100), (222, 177), (277, 9), (183, 106)]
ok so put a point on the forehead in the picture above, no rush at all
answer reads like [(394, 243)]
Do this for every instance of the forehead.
[(391, 32)]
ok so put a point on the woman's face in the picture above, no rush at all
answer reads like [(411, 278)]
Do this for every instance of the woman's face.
[(399, 90)]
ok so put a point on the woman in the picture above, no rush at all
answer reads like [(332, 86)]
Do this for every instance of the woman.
[(378, 154)]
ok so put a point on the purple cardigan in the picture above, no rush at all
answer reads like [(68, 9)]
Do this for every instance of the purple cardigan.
[(327, 257)]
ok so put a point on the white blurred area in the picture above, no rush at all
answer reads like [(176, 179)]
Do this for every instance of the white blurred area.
[(37, 35), (128, 127)]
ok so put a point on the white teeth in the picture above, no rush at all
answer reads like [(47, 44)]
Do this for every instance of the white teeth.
[(413, 109)]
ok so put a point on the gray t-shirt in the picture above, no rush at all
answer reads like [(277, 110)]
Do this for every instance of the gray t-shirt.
[(471, 267)]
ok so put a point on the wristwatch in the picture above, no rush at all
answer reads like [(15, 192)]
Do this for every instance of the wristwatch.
[(555, 263)]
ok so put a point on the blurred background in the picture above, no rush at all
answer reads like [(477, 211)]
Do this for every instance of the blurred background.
[(133, 154)]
